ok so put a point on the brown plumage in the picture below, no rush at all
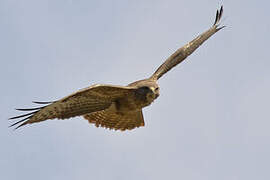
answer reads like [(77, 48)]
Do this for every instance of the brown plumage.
[(110, 106), (126, 120)]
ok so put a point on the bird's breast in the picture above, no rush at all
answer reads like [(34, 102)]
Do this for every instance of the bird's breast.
[(133, 103)]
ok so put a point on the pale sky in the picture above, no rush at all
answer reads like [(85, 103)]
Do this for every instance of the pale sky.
[(211, 121)]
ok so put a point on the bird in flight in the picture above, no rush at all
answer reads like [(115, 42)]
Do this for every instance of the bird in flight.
[(111, 106)]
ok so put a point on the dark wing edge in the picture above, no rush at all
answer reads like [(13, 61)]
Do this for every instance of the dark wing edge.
[(183, 52), (94, 98), (27, 116)]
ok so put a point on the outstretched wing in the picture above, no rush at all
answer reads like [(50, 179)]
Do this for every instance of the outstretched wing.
[(91, 99), (189, 48), (116, 121)]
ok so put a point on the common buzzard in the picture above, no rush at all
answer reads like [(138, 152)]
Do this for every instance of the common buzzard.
[(110, 106)]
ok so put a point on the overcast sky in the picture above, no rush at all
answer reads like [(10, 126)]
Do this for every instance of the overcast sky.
[(210, 122)]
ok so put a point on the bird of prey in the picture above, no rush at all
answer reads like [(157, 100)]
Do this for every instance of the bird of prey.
[(110, 106)]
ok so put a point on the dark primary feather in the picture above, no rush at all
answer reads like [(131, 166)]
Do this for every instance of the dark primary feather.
[(30, 115), (16, 117), (20, 122), (39, 102), (216, 17), (30, 109)]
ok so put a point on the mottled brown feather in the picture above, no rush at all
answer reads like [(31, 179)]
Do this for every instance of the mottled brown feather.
[(116, 121), (91, 99)]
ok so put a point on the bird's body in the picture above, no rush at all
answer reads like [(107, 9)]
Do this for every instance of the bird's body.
[(110, 106)]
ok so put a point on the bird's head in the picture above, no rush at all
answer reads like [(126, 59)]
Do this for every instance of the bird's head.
[(154, 91), (149, 91)]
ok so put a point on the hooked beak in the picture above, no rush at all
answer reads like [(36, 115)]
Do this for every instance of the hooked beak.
[(155, 92)]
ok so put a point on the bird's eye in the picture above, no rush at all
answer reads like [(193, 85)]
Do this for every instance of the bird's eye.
[(157, 88)]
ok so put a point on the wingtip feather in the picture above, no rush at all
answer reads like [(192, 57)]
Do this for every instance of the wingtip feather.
[(18, 122), (221, 10), (216, 17), (41, 102), (16, 117), (219, 14)]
